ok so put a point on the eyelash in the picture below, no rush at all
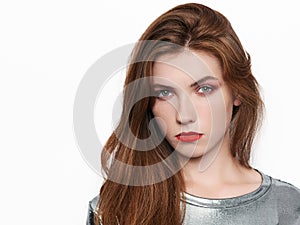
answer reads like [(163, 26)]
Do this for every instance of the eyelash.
[(204, 93), (211, 89), (158, 93)]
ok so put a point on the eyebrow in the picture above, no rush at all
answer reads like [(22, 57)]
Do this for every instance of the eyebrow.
[(162, 86), (202, 80)]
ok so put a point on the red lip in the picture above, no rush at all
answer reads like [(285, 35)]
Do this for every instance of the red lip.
[(188, 136)]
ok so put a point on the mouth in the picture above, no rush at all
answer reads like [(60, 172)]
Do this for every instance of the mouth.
[(188, 136)]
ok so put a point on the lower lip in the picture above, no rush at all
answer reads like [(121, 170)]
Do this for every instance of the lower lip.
[(189, 138)]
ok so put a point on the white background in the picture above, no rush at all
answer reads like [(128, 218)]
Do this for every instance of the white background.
[(47, 46)]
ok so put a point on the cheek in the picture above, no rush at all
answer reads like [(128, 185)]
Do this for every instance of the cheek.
[(164, 111), (159, 110), (219, 114), (204, 112)]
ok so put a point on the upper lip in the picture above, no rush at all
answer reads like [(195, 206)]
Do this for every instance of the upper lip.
[(188, 133)]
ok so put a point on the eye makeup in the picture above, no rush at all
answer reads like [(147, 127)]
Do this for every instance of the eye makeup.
[(207, 89), (203, 87)]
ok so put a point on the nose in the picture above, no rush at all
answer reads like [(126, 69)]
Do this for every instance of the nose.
[(186, 112)]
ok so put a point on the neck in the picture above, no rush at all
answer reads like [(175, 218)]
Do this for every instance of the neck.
[(217, 174)]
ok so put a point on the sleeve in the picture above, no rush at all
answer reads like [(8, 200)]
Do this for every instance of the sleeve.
[(91, 211), (90, 216)]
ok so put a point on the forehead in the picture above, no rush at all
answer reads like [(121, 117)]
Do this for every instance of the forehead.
[(186, 67)]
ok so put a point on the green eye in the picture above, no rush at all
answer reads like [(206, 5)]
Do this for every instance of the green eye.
[(164, 93), (205, 89)]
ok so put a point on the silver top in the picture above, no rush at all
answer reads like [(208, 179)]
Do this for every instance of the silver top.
[(274, 202)]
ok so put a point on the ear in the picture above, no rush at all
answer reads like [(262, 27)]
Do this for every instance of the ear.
[(236, 102)]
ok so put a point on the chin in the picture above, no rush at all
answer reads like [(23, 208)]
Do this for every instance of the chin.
[(190, 153)]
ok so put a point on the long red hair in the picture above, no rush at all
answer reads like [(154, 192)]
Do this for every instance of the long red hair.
[(198, 28)]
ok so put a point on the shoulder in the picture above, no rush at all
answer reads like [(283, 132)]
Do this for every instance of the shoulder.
[(287, 200), (93, 203), (285, 191)]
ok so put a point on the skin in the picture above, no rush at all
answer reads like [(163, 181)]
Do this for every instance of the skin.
[(205, 107)]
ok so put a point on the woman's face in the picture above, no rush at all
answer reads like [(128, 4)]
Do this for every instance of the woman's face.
[(192, 101)]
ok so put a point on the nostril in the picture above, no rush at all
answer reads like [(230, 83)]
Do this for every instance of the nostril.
[(185, 119), (186, 116)]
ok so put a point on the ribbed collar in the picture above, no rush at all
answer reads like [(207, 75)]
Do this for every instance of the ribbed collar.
[(231, 202)]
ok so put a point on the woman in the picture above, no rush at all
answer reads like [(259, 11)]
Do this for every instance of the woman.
[(180, 153)]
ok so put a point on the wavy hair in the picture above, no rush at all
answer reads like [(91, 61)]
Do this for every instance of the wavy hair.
[(199, 28)]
